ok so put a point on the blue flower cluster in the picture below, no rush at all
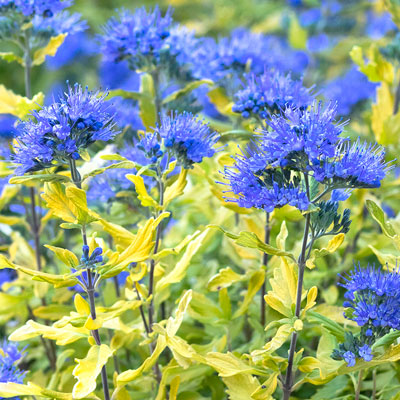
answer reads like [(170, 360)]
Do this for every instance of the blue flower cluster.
[(7, 275), (48, 18), (10, 356), (230, 57), (92, 259), (57, 133), (349, 90), (146, 40), (30, 8), (302, 142), (373, 301), (184, 137), (270, 92)]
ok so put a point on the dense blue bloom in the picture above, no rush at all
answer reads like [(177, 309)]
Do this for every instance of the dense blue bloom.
[(270, 92), (354, 165), (310, 17), (373, 301), (62, 22), (9, 358), (186, 138), (36, 7), (150, 146), (298, 136), (349, 90), (57, 133), (242, 51), (318, 43), (146, 39), (94, 258), (7, 130), (255, 185)]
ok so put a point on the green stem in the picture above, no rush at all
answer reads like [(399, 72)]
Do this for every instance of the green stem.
[(359, 383), (288, 382), (264, 266), (374, 384), (90, 284), (157, 99)]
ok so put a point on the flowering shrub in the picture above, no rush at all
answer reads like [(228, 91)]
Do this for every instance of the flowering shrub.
[(192, 209)]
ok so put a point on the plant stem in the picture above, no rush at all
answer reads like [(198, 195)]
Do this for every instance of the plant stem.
[(374, 384), (396, 99), (288, 383), (264, 266), (90, 284), (153, 262), (359, 383)]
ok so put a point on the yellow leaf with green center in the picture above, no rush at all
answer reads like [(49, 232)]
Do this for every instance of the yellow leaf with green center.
[(241, 387), (227, 364), (223, 279), (65, 255), (11, 390), (11, 103), (88, 369), (131, 374), (145, 199), (255, 283), (176, 189), (181, 267), (139, 250), (332, 246), (62, 336), (10, 57), (50, 49)]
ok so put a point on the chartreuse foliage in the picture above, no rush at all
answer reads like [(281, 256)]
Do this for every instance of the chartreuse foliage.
[(144, 256)]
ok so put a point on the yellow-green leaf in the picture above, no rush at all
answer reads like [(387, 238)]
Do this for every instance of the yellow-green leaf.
[(223, 279), (11, 103), (11, 390), (297, 34), (10, 57), (88, 369), (179, 271), (333, 245), (187, 89), (145, 199), (147, 107), (65, 255), (176, 189), (49, 50)]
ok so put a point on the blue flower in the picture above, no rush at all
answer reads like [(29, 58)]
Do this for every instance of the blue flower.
[(9, 358), (138, 38), (378, 25), (36, 7), (186, 138), (57, 133), (354, 165), (349, 90), (228, 58), (298, 137), (350, 358), (365, 352), (7, 275), (150, 146), (62, 22), (7, 130), (254, 184), (270, 92), (373, 296)]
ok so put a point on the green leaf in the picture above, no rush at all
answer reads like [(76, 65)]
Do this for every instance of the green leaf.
[(32, 180), (223, 279), (65, 255), (147, 106), (10, 57), (50, 49), (297, 35), (88, 369), (333, 327), (11, 390), (379, 216), (125, 94), (126, 164), (251, 240), (187, 89)]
